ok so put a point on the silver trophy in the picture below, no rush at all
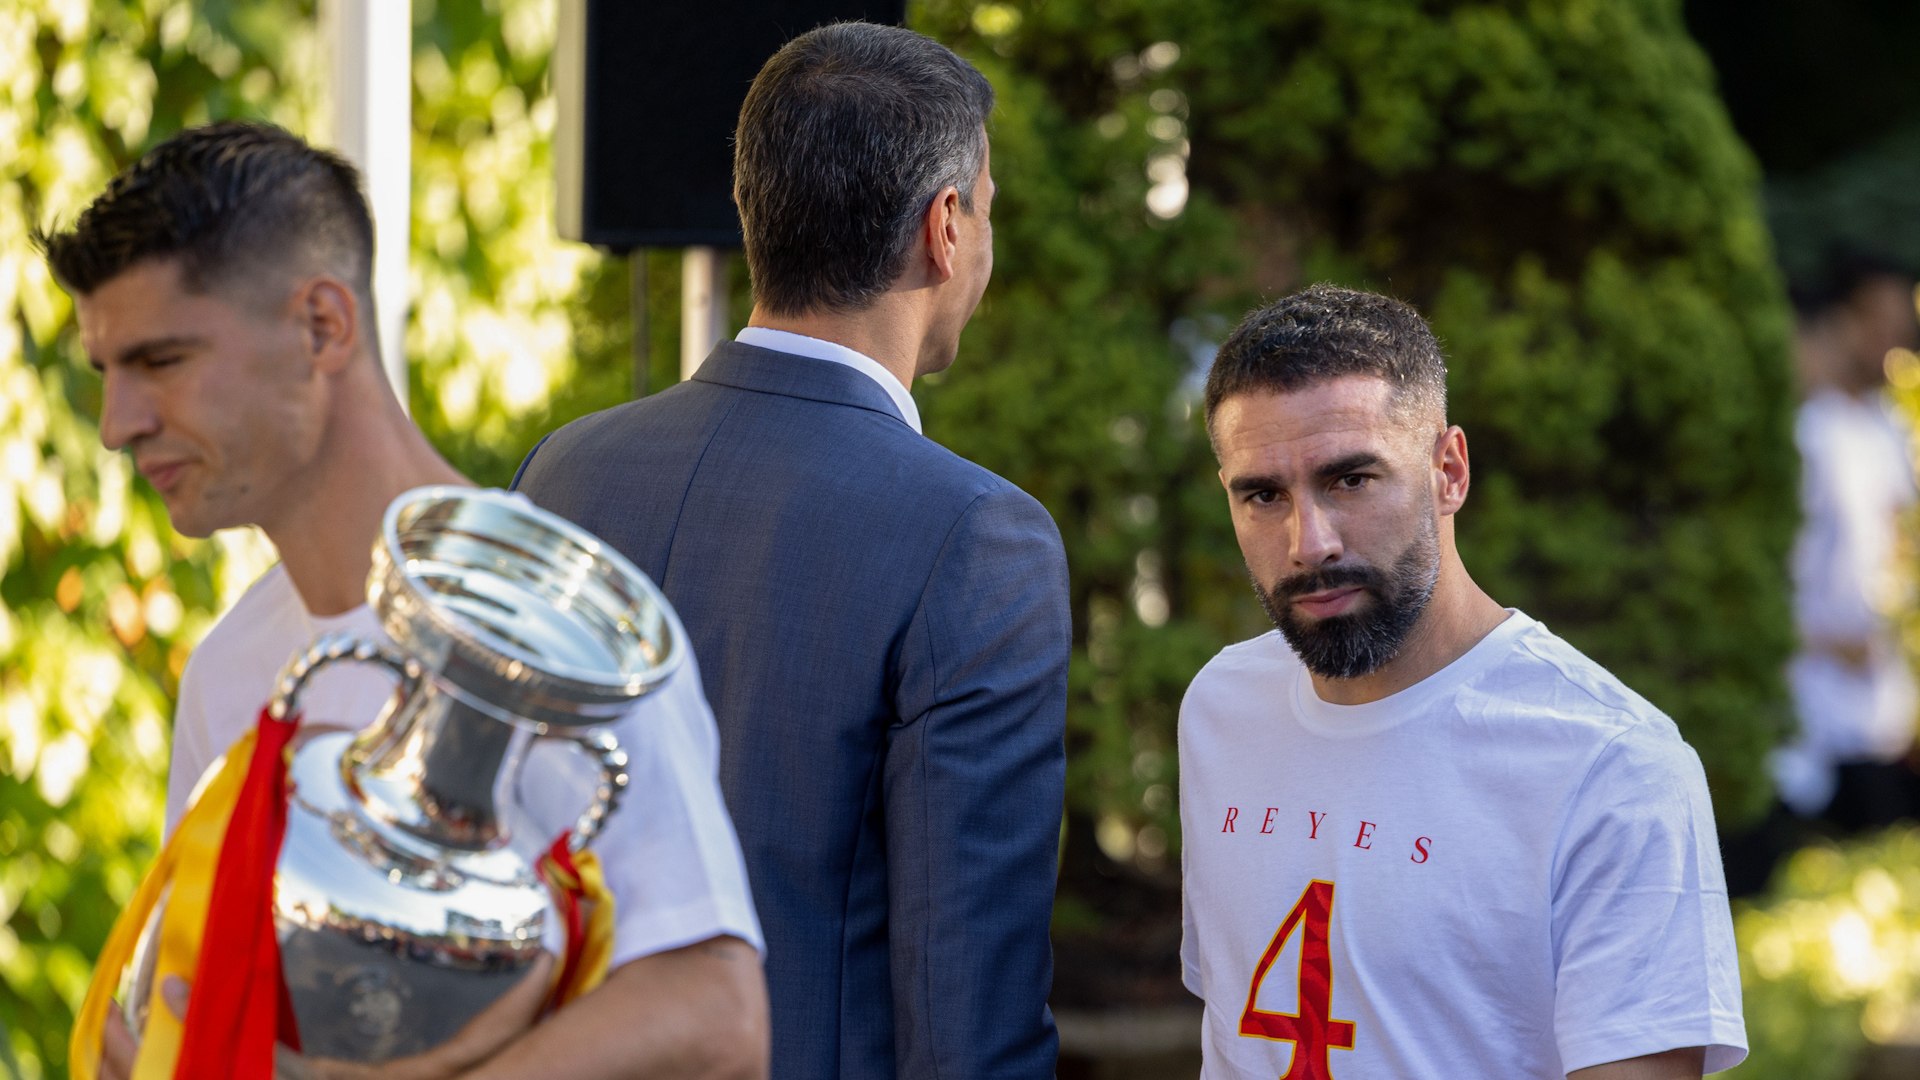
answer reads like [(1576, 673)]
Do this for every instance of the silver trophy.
[(401, 908)]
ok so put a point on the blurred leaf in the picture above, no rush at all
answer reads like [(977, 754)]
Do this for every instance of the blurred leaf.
[(1830, 958)]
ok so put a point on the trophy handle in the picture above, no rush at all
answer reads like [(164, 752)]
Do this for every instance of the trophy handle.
[(599, 744), (333, 648)]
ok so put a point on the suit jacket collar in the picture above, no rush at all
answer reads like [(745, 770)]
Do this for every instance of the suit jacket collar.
[(749, 367)]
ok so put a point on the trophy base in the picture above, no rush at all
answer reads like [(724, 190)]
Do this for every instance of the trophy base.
[(389, 948), (364, 1002)]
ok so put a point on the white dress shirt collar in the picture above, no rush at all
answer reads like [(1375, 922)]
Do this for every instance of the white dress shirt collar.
[(801, 345)]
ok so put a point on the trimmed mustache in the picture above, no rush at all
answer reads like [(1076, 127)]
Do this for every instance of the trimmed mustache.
[(1331, 577)]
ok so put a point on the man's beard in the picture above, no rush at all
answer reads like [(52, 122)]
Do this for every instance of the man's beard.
[(1356, 643)]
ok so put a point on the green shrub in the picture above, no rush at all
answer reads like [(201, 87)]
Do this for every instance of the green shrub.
[(1556, 185), (1866, 200), (1830, 957)]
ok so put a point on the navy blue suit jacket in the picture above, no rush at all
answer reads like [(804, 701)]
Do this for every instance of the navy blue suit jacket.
[(883, 631)]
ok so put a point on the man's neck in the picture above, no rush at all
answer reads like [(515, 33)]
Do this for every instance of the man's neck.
[(1457, 617), (326, 538), (893, 337)]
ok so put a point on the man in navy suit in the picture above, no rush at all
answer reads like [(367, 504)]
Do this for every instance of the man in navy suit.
[(883, 626)]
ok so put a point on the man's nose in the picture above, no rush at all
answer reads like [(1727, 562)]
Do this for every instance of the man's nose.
[(126, 413), (1316, 541)]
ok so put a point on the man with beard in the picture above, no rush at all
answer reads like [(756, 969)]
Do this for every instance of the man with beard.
[(1424, 836)]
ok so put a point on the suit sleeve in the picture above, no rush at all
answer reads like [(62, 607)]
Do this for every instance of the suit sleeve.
[(974, 782)]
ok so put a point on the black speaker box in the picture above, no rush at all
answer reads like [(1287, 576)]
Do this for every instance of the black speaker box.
[(648, 96)]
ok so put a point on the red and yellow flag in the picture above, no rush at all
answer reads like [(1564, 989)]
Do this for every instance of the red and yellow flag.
[(219, 860), (217, 871), (586, 910)]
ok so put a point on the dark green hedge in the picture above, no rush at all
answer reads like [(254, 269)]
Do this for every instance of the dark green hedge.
[(1556, 185)]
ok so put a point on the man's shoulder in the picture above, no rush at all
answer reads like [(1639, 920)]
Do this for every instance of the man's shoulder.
[(775, 422), (1262, 652), (620, 421), (733, 436), (873, 447), (257, 633), (1262, 659), (960, 478), (1545, 673), (269, 604)]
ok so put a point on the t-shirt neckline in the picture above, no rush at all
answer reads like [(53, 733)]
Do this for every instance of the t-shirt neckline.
[(1332, 721)]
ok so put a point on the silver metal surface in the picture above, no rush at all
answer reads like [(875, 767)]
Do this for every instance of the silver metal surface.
[(401, 908), (390, 947), (519, 612)]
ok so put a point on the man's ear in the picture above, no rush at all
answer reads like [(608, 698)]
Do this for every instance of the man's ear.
[(940, 230), (329, 315), (1451, 473)]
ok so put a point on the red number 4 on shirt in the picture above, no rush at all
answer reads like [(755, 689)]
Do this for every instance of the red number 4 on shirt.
[(1312, 1031)]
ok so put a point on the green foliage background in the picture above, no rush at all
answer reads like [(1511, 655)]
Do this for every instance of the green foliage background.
[(1555, 183), (101, 600), (1831, 958), (1866, 199)]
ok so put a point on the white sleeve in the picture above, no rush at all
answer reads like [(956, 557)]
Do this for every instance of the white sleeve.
[(193, 748), (669, 852), (1189, 933), (1643, 944)]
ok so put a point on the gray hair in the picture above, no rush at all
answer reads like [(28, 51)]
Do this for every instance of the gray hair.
[(846, 136)]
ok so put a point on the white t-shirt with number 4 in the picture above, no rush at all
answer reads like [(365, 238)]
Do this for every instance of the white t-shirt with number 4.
[(1506, 870)]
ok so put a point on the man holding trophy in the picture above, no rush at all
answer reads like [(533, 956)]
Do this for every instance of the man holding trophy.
[(223, 291)]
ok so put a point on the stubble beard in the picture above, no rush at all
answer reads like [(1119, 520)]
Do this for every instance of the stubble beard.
[(1353, 644)]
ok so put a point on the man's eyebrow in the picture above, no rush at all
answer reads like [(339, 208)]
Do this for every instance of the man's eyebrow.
[(1255, 482), (139, 351), (1355, 462)]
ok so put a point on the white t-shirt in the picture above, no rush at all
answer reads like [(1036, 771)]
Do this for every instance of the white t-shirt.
[(669, 852), (1508, 869), (1856, 482)]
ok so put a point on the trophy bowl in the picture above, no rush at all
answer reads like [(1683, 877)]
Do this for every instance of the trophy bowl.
[(401, 909)]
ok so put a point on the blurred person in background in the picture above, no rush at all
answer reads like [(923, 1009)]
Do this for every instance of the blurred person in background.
[(1850, 762), (222, 286)]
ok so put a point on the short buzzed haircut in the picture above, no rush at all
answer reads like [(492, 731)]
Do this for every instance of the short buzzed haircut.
[(846, 136), (232, 203), (1326, 332)]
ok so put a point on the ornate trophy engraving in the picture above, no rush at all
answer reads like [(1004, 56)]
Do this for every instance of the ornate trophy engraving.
[(401, 910)]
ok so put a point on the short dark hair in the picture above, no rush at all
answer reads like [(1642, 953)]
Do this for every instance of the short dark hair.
[(227, 201), (1844, 270), (1325, 332), (847, 134)]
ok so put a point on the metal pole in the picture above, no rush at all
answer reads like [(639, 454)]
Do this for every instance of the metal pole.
[(703, 305), (372, 56)]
